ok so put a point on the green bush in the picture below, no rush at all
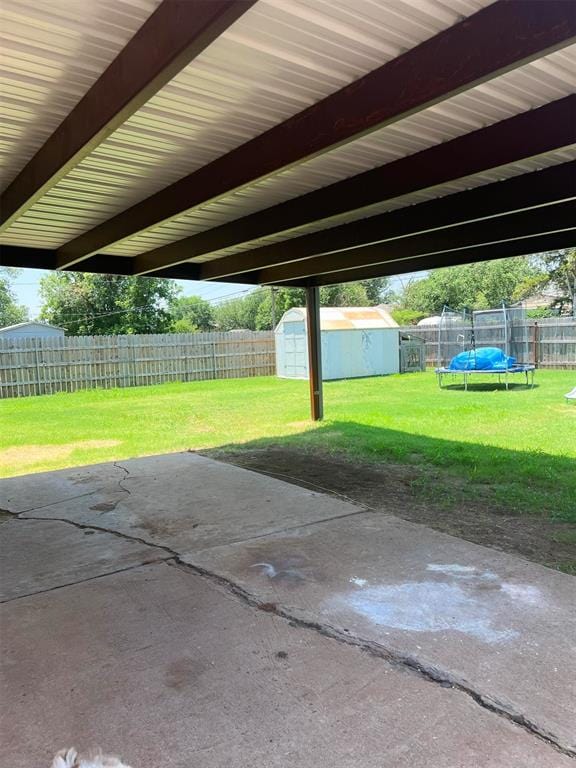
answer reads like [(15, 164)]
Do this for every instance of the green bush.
[(407, 316)]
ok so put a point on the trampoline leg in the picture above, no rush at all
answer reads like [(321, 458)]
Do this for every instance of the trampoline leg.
[(506, 379)]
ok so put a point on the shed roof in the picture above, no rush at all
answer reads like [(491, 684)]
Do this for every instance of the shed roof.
[(346, 318), (277, 141), (29, 323)]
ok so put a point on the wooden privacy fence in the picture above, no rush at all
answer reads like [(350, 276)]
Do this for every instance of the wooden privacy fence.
[(549, 342), (41, 366)]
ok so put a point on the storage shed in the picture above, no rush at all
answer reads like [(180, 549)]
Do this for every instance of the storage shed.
[(31, 330), (356, 341)]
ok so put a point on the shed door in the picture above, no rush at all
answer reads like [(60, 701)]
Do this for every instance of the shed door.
[(295, 356)]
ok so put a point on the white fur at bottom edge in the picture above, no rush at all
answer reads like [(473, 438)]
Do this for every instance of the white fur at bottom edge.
[(70, 759)]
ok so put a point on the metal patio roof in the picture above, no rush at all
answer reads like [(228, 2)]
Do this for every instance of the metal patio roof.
[(285, 141)]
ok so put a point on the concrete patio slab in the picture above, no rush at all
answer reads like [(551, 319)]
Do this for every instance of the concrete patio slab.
[(150, 658), (498, 625), (38, 555), (174, 672), (30, 492), (183, 501)]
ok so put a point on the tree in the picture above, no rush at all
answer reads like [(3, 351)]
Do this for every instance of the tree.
[(560, 268), (191, 313), (10, 312), (474, 286), (87, 304), (378, 290), (239, 313), (407, 316)]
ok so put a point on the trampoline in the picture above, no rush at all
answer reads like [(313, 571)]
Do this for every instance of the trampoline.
[(527, 369), (460, 353)]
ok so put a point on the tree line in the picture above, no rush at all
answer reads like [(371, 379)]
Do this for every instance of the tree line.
[(89, 304)]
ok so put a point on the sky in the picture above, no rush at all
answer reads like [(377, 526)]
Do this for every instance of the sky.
[(26, 288)]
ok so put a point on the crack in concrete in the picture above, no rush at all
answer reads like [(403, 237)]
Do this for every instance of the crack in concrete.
[(297, 526), (50, 504), (72, 498), (127, 471), (394, 658), (83, 581)]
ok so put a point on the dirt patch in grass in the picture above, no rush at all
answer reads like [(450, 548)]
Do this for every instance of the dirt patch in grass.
[(397, 489), (28, 455)]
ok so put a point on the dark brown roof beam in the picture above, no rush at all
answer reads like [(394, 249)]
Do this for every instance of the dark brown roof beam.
[(551, 218), (522, 247), (500, 37), (526, 191), (27, 257), (171, 38), (518, 138)]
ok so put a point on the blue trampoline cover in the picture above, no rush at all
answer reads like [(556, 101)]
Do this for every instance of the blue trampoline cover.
[(482, 359)]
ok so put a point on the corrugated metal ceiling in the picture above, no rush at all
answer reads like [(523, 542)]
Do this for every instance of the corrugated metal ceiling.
[(530, 86), (51, 52), (279, 58)]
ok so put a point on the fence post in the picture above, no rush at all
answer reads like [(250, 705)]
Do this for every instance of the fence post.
[(536, 342), (37, 358)]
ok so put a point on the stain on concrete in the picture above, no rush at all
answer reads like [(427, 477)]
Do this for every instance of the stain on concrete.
[(283, 571), (279, 562), (456, 601), (182, 673), (105, 506), (272, 562), (458, 571), (428, 606), (526, 593)]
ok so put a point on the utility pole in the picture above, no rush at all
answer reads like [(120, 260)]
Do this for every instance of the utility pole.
[(273, 290)]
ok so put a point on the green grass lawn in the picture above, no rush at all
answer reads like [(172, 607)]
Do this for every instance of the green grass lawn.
[(517, 447)]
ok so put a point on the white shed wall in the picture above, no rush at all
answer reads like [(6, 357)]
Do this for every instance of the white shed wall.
[(354, 353), (346, 354)]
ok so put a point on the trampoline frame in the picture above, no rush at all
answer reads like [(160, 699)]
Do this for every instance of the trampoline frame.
[(528, 370)]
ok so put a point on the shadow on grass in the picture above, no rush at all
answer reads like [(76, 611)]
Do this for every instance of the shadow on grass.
[(447, 472), (489, 387)]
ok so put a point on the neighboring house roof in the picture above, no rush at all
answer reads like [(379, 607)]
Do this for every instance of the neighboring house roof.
[(346, 318), (29, 323), (542, 299)]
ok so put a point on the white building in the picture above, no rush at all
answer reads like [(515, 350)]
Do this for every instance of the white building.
[(356, 341), (32, 329)]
